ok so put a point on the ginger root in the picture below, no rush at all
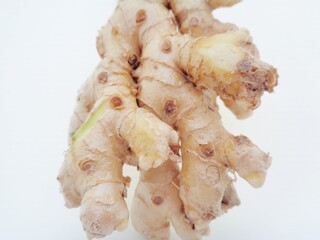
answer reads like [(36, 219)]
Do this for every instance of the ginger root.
[(152, 96)]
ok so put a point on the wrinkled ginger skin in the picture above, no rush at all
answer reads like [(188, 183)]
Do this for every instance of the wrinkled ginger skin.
[(107, 128), (224, 63), (92, 177), (158, 192), (242, 84), (195, 16), (197, 120), (141, 39)]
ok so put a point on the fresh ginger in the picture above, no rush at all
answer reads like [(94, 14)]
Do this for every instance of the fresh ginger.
[(195, 17), (175, 78)]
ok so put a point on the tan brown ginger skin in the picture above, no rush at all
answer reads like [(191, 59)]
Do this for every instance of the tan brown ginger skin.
[(141, 43)]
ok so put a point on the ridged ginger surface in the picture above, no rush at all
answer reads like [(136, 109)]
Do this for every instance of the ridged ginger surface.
[(151, 99)]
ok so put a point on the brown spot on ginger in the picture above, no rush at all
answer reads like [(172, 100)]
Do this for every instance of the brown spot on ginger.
[(170, 107), (206, 150), (134, 61), (115, 31), (103, 77), (88, 106), (158, 200), (87, 166), (116, 102), (166, 46), (141, 16), (242, 140)]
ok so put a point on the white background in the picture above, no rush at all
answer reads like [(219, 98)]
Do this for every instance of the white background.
[(47, 49)]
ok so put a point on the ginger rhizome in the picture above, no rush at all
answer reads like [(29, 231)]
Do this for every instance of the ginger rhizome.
[(152, 97)]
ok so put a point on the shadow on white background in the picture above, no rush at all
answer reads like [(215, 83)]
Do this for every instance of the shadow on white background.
[(47, 49)]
